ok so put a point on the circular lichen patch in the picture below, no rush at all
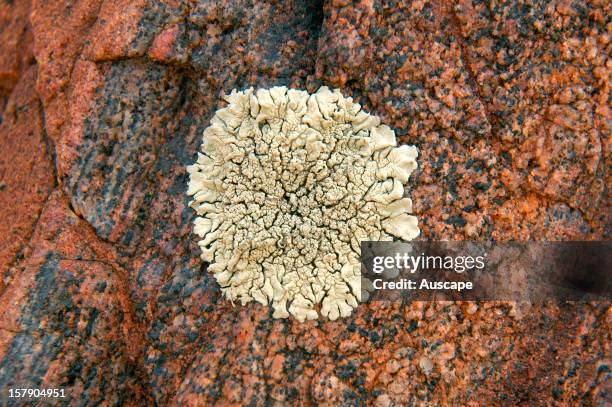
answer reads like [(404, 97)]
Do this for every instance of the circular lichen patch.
[(286, 187)]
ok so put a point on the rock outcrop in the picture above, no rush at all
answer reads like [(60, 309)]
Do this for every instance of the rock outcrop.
[(102, 106)]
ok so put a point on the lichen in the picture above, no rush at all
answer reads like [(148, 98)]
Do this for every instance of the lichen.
[(286, 187)]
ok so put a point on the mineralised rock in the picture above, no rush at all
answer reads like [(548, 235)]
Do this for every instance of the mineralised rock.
[(103, 104)]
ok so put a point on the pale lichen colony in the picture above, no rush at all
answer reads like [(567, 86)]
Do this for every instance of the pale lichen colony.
[(286, 187)]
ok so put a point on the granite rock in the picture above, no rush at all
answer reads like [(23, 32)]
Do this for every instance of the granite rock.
[(103, 103)]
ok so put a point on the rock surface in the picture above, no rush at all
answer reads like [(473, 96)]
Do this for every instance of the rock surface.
[(103, 103)]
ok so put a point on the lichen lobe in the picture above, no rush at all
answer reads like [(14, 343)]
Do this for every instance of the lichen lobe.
[(286, 187)]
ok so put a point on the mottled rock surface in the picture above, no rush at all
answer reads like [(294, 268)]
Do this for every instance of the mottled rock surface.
[(103, 103)]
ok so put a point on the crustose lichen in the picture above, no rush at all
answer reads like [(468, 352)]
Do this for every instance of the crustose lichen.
[(286, 187)]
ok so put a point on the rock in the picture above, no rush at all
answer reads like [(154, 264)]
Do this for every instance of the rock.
[(103, 103), (426, 365), (327, 389), (383, 401), (26, 169), (393, 366)]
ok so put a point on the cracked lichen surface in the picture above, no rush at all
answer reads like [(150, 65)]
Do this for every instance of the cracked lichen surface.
[(286, 187)]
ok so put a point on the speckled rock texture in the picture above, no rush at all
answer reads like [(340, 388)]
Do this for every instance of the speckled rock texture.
[(102, 106)]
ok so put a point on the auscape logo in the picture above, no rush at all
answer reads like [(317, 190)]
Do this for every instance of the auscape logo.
[(423, 284)]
